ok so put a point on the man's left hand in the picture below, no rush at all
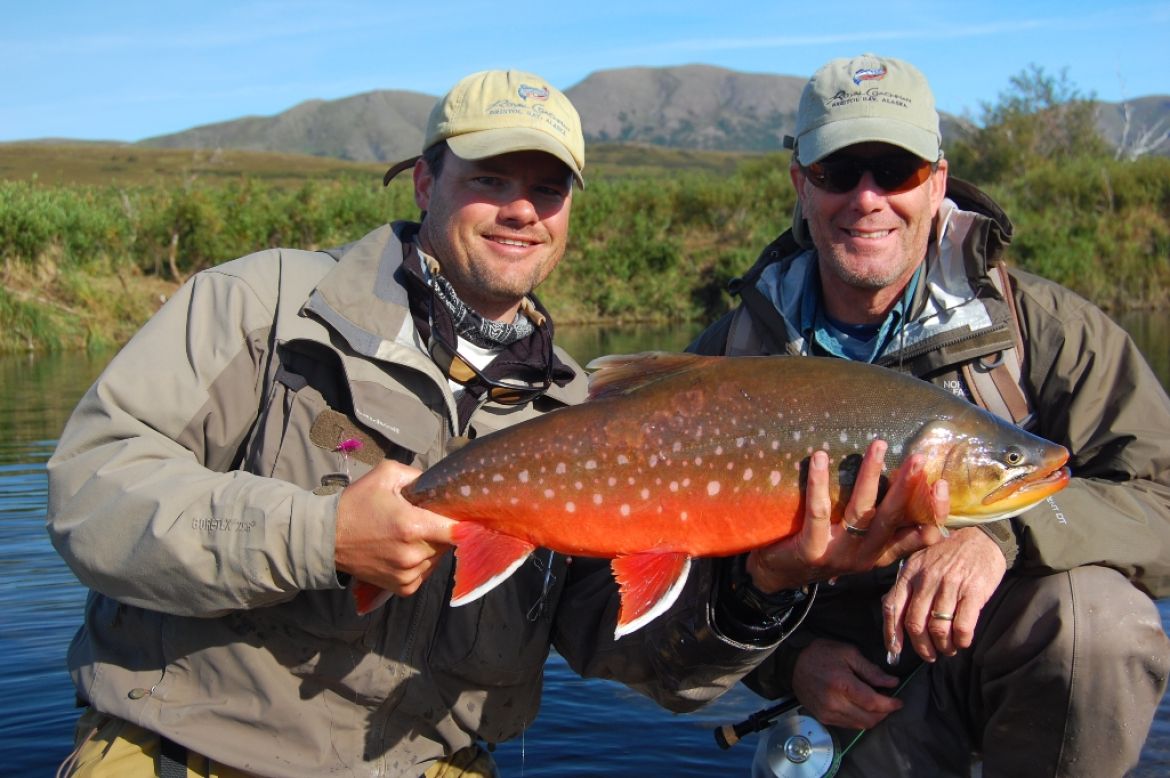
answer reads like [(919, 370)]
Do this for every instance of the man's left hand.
[(940, 592)]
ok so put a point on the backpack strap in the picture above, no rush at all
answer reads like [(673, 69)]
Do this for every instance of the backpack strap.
[(997, 385)]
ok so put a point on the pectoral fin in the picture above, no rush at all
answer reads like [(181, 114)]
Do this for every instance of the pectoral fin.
[(649, 584), (367, 597), (918, 505), (483, 560)]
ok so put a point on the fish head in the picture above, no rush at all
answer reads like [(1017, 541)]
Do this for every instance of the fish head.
[(993, 469)]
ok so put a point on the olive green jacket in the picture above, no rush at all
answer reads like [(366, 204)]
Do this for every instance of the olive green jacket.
[(185, 494), (1091, 391)]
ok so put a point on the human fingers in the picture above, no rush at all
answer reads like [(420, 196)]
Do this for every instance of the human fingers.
[(815, 532), (893, 611), (859, 511), (837, 685), (941, 618), (892, 511)]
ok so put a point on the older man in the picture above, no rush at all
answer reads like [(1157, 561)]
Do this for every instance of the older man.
[(1035, 642)]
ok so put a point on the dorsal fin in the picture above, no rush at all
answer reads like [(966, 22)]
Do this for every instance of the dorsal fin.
[(622, 373)]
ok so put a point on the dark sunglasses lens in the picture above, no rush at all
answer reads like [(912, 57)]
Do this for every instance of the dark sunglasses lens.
[(893, 173), (900, 174)]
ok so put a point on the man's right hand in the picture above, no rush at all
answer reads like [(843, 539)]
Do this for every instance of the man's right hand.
[(381, 538), (839, 686)]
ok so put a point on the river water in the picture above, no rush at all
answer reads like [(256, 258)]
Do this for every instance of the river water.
[(585, 728)]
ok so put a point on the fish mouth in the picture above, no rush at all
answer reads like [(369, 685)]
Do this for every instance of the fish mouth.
[(1032, 487)]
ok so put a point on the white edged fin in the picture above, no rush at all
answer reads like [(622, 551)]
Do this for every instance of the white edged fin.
[(650, 584)]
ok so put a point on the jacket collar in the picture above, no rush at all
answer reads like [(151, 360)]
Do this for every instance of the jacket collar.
[(375, 320), (957, 304)]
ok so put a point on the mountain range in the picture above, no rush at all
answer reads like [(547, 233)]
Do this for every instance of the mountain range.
[(689, 106)]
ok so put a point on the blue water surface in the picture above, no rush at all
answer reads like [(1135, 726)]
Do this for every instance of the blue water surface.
[(585, 728)]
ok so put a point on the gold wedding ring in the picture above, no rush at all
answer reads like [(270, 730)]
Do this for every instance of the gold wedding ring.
[(942, 616)]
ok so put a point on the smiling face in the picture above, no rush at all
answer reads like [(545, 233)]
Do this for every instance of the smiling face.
[(497, 226), (869, 242)]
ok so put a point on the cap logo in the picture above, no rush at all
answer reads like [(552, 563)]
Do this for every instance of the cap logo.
[(869, 74), (535, 92)]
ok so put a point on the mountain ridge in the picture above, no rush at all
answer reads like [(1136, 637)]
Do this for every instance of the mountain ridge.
[(694, 106)]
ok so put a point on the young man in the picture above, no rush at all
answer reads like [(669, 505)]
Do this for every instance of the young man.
[(1035, 643), (243, 457)]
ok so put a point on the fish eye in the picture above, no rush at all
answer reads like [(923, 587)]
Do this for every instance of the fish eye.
[(1014, 456)]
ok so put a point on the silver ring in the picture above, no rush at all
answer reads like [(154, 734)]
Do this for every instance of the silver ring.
[(942, 616), (858, 531)]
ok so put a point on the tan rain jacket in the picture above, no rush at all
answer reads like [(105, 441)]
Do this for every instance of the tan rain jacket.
[(182, 494)]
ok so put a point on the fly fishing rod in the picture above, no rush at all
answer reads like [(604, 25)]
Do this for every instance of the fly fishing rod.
[(728, 735)]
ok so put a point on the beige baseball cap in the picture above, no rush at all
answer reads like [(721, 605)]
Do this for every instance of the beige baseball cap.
[(500, 111), (863, 99)]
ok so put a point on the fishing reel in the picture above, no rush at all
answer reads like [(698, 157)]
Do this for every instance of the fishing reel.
[(794, 744)]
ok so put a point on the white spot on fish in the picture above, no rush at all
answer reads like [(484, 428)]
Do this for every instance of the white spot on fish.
[(844, 437), (796, 435), (677, 447), (686, 482), (611, 481), (465, 490), (683, 515), (597, 499), (739, 442), (497, 478), (774, 478), (674, 486), (653, 460), (591, 464), (514, 500), (561, 468), (622, 459), (578, 485), (570, 507), (698, 461), (747, 474), (549, 494), (624, 510), (523, 476), (712, 488)]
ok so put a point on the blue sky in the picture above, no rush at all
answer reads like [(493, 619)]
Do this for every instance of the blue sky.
[(131, 70)]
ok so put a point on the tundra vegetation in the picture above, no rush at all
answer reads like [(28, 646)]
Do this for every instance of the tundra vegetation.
[(94, 236)]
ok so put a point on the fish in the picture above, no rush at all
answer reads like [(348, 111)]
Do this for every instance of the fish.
[(678, 456)]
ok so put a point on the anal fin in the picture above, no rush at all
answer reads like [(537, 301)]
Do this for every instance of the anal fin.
[(649, 585), (483, 560)]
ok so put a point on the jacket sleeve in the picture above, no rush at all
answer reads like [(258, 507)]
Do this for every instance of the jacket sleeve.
[(679, 660), (1098, 397), (142, 503)]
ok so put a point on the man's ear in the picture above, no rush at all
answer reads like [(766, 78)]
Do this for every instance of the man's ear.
[(938, 185), (424, 183), (799, 180)]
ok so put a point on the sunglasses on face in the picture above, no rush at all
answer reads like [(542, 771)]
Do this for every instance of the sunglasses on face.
[(893, 173), (460, 370)]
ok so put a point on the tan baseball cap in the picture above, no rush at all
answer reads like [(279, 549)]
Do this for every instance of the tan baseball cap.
[(500, 111), (863, 99)]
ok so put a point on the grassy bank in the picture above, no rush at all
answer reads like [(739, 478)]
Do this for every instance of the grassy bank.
[(93, 237)]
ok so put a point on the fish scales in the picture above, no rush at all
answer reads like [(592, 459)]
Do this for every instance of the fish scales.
[(717, 449), (677, 456)]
